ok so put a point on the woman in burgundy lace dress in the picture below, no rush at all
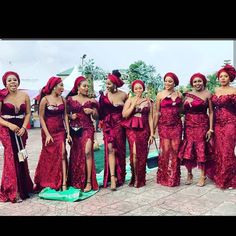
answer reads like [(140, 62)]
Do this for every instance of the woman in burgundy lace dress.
[(139, 131), (224, 104), (15, 115), (198, 128), (51, 170), (82, 171), (110, 112), (167, 117)]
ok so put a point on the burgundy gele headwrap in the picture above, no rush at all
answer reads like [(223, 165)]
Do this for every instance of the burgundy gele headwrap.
[(3, 93), (52, 82), (230, 70), (76, 85), (4, 78), (173, 76), (198, 75), (115, 80), (137, 81)]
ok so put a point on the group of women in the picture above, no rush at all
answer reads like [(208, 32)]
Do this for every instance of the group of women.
[(206, 138)]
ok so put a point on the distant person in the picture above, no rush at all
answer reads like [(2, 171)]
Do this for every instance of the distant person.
[(198, 129), (224, 104), (111, 106), (51, 170), (168, 121), (15, 115), (81, 110), (138, 122)]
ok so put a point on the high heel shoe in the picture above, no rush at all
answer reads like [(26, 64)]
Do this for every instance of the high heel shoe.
[(189, 179), (88, 187), (202, 181), (63, 187), (113, 188)]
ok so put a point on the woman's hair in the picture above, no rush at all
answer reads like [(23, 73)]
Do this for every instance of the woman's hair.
[(116, 73)]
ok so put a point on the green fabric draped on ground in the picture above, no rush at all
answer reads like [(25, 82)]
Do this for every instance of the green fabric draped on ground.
[(73, 194)]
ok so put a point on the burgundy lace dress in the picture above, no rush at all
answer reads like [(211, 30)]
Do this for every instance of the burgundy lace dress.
[(138, 132), (170, 133), (195, 151), (49, 169), (77, 161), (113, 133), (15, 175), (224, 171)]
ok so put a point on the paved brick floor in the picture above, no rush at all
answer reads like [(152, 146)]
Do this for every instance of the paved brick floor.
[(151, 200)]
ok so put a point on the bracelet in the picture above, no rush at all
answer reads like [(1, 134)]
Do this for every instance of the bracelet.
[(211, 130), (23, 127)]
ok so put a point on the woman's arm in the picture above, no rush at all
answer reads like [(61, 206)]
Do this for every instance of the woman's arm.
[(27, 116), (129, 107), (67, 122), (210, 131), (150, 121), (156, 115), (42, 106)]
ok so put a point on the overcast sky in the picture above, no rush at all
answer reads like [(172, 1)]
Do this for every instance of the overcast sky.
[(37, 60)]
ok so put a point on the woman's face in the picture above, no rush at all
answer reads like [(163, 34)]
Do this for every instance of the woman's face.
[(59, 88), (12, 83), (169, 83), (138, 89), (110, 86), (198, 84), (224, 78), (83, 88)]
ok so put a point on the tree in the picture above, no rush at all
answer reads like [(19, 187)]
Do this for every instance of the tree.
[(146, 73)]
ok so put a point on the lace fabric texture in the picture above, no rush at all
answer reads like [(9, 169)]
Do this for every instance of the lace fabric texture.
[(77, 173), (15, 176)]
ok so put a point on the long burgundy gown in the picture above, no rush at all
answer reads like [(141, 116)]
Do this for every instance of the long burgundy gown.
[(138, 132), (224, 171), (113, 133), (49, 169), (15, 175), (195, 151), (170, 133), (77, 173)]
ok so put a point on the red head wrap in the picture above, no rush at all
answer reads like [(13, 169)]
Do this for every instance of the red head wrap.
[(173, 76), (115, 80), (4, 78), (198, 75), (137, 81), (52, 82), (76, 85), (4, 92), (230, 70)]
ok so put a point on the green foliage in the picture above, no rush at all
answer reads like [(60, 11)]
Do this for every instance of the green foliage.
[(183, 89), (212, 82), (146, 73)]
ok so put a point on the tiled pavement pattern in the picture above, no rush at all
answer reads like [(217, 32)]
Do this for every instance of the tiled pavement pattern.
[(151, 200)]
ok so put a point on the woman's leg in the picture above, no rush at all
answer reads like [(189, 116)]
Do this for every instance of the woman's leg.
[(112, 165), (64, 168), (88, 154)]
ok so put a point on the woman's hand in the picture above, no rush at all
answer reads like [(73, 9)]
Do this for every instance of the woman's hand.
[(150, 140), (21, 131), (69, 139), (73, 116), (209, 134), (14, 128), (48, 140), (88, 111)]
